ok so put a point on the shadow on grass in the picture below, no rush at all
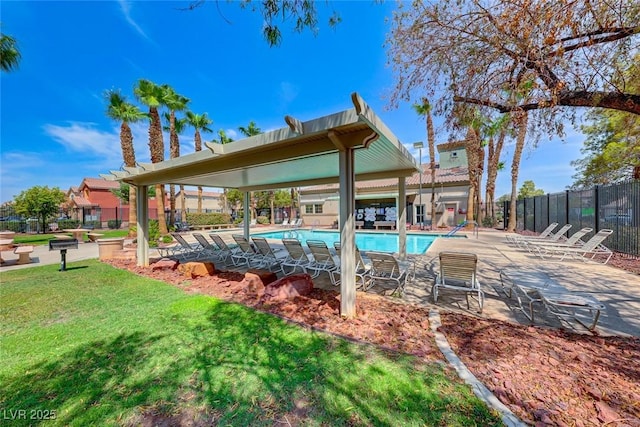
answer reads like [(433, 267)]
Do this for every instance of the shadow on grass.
[(225, 364)]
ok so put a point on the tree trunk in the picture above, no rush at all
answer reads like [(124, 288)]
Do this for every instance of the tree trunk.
[(172, 204), (522, 120), (129, 158), (431, 139), (199, 200), (493, 162), (272, 205), (174, 152), (197, 145), (183, 205), (470, 203), (156, 146), (162, 219)]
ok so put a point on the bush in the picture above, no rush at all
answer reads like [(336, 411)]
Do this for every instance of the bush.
[(93, 224), (262, 220), (114, 224), (488, 222), (208, 218), (68, 223), (154, 233)]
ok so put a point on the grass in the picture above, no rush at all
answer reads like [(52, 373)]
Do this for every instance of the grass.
[(43, 239), (101, 346)]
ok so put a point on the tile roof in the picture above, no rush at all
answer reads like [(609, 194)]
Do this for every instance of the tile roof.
[(81, 201), (443, 176), (99, 183)]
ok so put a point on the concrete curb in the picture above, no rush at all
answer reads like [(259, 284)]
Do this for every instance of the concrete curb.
[(508, 417)]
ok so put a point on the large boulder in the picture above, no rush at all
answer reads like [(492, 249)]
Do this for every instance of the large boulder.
[(256, 280), (197, 269), (165, 264), (288, 287)]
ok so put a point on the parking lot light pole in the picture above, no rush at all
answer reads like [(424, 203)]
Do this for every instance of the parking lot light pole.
[(419, 146)]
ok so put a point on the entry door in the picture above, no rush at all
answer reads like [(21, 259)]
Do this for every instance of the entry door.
[(450, 212)]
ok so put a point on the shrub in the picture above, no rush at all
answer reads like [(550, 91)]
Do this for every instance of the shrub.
[(68, 223), (154, 233), (208, 218), (114, 224), (488, 222), (93, 224), (262, 220)]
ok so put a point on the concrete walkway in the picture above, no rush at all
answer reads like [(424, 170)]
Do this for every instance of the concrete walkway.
[(618, 290)]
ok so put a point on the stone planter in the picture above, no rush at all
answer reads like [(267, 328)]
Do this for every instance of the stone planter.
[(108, 247)]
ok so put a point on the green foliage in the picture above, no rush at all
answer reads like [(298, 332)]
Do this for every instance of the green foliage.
[(208, 218), (102, 346), (529, 189), (123, 192), (262, 220), (68, 223), (154, 233), (282, 198), (166, 239), (234, 196), (9, 53), (114, 224), (93, 224), (40, 202)]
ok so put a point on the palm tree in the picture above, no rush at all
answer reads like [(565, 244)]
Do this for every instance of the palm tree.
[(151, 95), (9, 53), (174, 102), (494, 150), (521, 118), (425, 110), (252, 130), (174, 126), (119, 109), (200, 122)]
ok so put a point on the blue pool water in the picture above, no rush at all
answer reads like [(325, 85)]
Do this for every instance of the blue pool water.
[(384, 242)]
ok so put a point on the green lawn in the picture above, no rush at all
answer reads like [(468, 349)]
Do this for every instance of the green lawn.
[(43, 239), (101, 346)]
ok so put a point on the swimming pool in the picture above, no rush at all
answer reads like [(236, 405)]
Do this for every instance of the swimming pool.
[(384, 242)]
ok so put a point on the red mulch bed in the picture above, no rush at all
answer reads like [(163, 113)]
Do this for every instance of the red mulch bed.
[(545, 376)]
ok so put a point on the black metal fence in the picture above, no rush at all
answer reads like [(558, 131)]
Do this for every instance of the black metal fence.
[(616, 207)]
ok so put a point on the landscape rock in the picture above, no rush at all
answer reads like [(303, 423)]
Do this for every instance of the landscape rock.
[(193, 270), (165, 264), (288, 287)]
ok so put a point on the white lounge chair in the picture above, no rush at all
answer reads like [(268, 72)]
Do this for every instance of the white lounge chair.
[(296, 258), (209, 250), (285, 223), (552, 238), (591, 248), (458, 273), (536, 287), (385, 268), (511, 238), (574, 240), (247, 255), (271, 259), (323, 259), (363, 269)]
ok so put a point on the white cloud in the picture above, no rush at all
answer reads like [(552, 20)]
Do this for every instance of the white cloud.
[(288, 92), (84, 138), (125, 6)]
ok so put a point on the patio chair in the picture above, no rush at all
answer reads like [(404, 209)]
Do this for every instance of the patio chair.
[(536, 287), (363, 269), (296, 258), (557, 237), (225, 250), (285, 223), (589, 250), (209, 249), (574, 240), (458, 273), (385, 269), (247, 254), (297, 223), (511, 238), (188, 251), (322, 258), (271, 259)]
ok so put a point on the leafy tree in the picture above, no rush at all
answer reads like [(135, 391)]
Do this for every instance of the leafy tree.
[(303, 14), (9, 53), (529, 189), (200, 122), (121, 110), (174, 102), (481, 52), (40, 202), (612, 147), (123, 193), (152, 95)]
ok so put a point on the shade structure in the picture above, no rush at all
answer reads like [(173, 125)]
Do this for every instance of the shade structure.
[(343, 147)]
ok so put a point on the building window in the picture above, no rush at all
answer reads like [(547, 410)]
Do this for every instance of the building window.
[(308, 209), (420, 215), (318, 209)]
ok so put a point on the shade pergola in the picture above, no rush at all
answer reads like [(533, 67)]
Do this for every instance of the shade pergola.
[(343, 147)]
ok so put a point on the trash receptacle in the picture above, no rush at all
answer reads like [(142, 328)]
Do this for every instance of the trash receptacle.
[(108, 247)]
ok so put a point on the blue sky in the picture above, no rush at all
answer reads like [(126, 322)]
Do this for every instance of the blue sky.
[(54, 130)]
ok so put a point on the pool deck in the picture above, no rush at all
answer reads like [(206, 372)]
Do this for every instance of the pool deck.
[(618, 290)]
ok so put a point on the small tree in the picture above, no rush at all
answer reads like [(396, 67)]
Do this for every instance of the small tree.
[(529, 189), (39, 202)]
